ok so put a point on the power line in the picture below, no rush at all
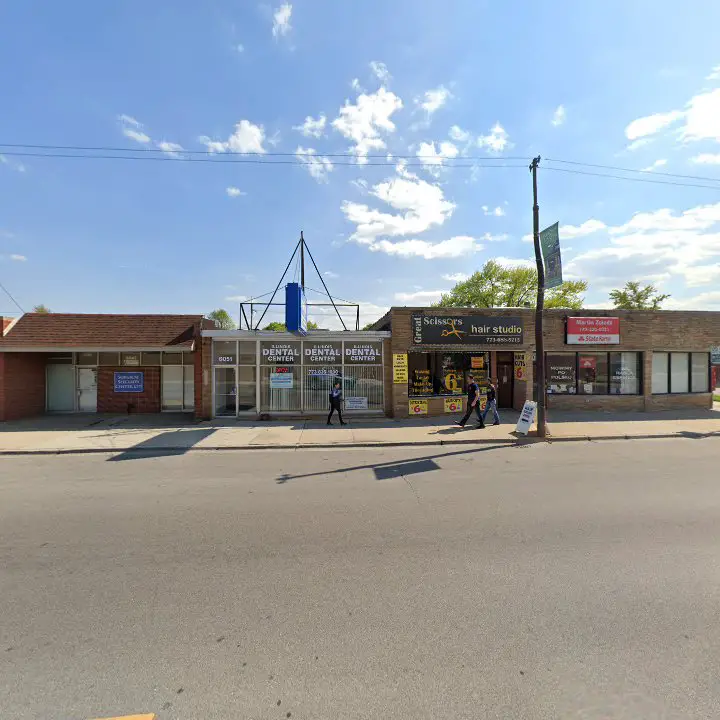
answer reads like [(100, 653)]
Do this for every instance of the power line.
[(7, 292), (632, 179), (622, 169), (90, 148)]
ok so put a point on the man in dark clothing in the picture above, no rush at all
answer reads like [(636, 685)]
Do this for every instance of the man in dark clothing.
[(473, 402), (491, 402), (336, 403)]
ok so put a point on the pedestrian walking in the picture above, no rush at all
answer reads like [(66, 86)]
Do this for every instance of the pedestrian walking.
[(336, 403), (491, 402), (473, 402)]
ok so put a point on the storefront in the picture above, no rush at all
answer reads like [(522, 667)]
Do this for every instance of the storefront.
[(595, 360), (276, 374)]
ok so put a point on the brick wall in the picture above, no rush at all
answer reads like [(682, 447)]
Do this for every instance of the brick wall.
[(108, 401), (22, 385), (640, 331)]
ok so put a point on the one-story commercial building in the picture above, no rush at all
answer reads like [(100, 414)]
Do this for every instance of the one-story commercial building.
[(414, 361)]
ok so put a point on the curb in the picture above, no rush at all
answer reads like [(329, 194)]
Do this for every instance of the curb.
[(507, 442)]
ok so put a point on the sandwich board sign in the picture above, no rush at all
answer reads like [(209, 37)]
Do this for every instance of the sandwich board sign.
[(527, 416)]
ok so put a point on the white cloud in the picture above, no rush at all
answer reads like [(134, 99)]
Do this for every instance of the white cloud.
[(170, 148), (456, 277), (495, 238), (364, 121), (433, 100), (651, 124), (657, 164), (458, 134), (514, 262), (587, 228), (132, 128), (707, 159), (317, 165), (18, 258), (361, 184), (558, 117), (281, 20), (497, 212), (312, 127), (702, 117), (421, 297), (637, 144), (451, 248), (433, 158), (234, 192), (380, 71), (420, 205), (240, 48), (714, 74), (330, 274), (703, 301), (238, 299), (496, 141), (247, 138), (19, 167)]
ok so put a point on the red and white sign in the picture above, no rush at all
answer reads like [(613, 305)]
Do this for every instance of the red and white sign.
[(588, 363), (593, 331)]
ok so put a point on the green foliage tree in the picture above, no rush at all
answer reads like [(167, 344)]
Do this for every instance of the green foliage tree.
[(41, 309), (636, 297), (497, 285), (222, 319), (281, 327)]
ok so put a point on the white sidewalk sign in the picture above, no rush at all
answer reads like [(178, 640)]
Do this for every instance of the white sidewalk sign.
[(527, 416)]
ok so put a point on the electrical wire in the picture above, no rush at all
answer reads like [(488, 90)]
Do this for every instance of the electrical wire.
[(632, 179), (630, 170), (17, 304)]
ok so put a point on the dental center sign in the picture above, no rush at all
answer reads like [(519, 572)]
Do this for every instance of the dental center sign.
[(593, 331), (466, 330), (363, 353)]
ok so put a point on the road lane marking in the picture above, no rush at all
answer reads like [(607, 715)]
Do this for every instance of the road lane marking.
[(147, 716)]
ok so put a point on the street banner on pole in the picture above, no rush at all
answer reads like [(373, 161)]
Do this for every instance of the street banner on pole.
[(550, 243)]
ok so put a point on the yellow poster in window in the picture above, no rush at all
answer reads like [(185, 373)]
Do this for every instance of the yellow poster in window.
[(400, 367), (520, 366), (453, 382), (418, 407), (477, 362), (453, 405)]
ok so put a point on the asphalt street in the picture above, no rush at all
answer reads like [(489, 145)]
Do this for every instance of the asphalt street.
[(570, 581)]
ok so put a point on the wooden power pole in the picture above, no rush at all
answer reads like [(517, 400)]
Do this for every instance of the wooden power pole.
[(539, 339)]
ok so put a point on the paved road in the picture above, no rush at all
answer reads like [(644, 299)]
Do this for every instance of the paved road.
[(574, 581)]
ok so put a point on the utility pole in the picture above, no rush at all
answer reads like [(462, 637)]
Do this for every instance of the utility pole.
[(539, 340)]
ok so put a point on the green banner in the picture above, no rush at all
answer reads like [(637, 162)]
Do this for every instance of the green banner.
[(550, 244)]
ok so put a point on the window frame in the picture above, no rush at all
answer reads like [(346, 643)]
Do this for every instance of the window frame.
[(607, 354), (689, 354)]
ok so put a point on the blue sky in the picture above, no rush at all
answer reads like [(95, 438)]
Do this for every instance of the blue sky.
[(628, 84)]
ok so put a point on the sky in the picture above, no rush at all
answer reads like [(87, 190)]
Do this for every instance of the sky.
[(395, 135)]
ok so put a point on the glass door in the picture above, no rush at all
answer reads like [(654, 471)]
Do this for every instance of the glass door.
[(172, 388), (225, 396)]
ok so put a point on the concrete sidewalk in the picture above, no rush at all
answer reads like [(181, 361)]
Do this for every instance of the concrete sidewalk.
[(168, 434)]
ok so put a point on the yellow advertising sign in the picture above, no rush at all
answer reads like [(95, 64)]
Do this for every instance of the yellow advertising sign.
[(453, 405), (520, 367), (418, 407), (477, 362), (453, 382), (400, 367)]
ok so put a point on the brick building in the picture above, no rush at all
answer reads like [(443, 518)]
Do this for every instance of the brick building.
[(595, 359), (63, 363)]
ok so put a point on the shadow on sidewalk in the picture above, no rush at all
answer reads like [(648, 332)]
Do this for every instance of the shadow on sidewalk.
[(167, 444), (398, 468)]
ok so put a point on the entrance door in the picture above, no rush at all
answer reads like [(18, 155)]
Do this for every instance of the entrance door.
[(87, 389), (505, 370), (60, 388)]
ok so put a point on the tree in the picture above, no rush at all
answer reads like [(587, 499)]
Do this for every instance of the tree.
[(635, 297), (222, 319), (41, 309), (281, 327), (504, 286)]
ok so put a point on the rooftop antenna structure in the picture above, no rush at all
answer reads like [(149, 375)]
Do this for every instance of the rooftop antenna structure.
[(298, 254)]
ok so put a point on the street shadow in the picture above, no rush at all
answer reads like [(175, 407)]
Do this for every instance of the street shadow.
[(99, 421), (394, 468), (167, 444)]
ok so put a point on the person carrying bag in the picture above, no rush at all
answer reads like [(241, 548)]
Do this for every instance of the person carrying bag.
[(336, 403)]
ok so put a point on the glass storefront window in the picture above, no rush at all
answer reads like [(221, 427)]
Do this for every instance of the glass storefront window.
[(592, 374), (446, 373), (660, 373), (108, 358), (172, 358), (246, 385), (318, 383), (700, 372), (151, 358), (363, 388), (561, 379), (321, 354), (279, 353), (247, 353), (625, 373), (225, 352), (188, 358), (679, 373), (131, 359), (363, 353), (225, 391), (86, 358), (280, 388)]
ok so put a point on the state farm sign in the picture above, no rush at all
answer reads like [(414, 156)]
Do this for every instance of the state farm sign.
[(593, 331)]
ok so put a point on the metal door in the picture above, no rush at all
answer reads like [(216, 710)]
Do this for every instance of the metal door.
[(505, 369), (87, 389), (60, 388)]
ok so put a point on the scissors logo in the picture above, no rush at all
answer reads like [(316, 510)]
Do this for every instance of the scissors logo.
[(453, 331)]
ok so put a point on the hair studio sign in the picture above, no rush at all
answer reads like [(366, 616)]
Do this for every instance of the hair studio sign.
[(466, 330)]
